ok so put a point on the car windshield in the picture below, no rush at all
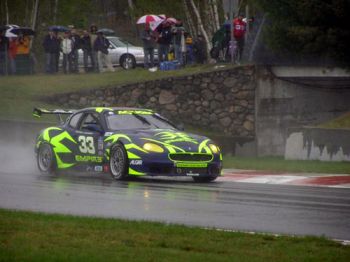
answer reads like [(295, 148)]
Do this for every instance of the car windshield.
[(137, 121), (118, 42)]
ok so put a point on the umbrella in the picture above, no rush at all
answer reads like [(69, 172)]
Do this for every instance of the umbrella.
[(106, 31), (58, 28), (148, 19), (170, 20), (15, 31), (4, 27)]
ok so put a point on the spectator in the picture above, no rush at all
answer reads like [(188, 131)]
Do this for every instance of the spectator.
[(12, 52), (101, 48), (76, 42), (148, 39), (164, 41), (87, 51), (189, 50), (23, 44), (179, 41), (239, 29), (23, 60), (199, 48), (93, 36), (67, 51), (52, 48), (3, 53), (58, 41)]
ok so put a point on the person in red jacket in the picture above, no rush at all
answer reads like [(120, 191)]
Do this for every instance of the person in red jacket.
[(12, 52), (239, 29)]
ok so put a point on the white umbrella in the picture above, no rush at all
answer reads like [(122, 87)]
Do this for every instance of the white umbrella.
[(8, 32), (171, 20), (148, 19), (155, 24)]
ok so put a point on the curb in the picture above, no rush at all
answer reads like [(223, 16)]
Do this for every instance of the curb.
[(300, 179)]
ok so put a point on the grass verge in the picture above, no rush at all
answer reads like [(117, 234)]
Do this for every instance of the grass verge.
[(278, 164), (29, 236), (342, 122)]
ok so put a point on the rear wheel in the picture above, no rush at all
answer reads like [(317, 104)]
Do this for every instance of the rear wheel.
[(46, 159), (128, 62), (204, 179), (118, 162)]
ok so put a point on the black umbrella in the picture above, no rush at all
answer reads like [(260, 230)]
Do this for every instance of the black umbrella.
[(19, 30), (106, 31), (4, 27), (58, 28)]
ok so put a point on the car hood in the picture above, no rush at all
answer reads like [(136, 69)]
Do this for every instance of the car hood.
[(167, 138)]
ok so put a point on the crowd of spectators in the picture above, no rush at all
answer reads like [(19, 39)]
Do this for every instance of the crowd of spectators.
[(93, 44), (173, 43), (171, 40)]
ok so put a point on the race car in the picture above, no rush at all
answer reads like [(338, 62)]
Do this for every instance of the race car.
[(124, 142)]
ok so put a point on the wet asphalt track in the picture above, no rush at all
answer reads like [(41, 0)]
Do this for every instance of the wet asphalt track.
[(230, 205)]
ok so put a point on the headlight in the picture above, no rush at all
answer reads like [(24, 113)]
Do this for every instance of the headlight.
[(153, 148), (214, 148)]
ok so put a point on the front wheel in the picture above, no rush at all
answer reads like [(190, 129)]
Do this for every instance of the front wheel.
[(46, 159), (128, 62), (118, 162), (204, 179)]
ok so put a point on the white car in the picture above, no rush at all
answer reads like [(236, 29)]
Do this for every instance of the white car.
[(121, 53)]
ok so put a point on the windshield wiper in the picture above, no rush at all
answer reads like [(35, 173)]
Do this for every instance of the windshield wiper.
[(142, 119), (165, 120)]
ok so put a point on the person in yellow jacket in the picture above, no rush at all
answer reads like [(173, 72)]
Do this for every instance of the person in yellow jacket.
[(23, 60), (23, 44)]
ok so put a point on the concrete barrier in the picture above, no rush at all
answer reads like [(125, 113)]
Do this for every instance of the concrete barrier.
[(318, 144)]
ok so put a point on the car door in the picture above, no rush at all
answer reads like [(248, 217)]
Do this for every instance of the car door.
[(113, 53), (88, 134)]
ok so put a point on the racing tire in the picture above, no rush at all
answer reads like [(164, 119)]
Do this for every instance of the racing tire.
[(118, 162), (46, 159), (128, 62), (204, 179)]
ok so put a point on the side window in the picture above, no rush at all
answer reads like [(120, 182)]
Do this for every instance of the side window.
[(91, 122), (74, 120)]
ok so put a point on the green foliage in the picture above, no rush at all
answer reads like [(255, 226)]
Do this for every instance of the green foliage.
[(74, 12), (312, 27), (342, 121)]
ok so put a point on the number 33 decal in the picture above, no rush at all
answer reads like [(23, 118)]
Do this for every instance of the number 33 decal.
[(86, 144)]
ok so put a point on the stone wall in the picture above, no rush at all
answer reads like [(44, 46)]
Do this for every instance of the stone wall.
[(221, 100)]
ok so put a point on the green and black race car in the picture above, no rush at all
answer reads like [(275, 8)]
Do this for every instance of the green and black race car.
[(124, 142)]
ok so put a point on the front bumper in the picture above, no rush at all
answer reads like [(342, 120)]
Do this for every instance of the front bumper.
[(180, 169)]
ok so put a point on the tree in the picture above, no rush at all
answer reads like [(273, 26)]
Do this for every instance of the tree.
[(202, 17), (310, 27)]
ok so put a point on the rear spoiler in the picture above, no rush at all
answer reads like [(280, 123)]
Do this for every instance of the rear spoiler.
[(37, 112)]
